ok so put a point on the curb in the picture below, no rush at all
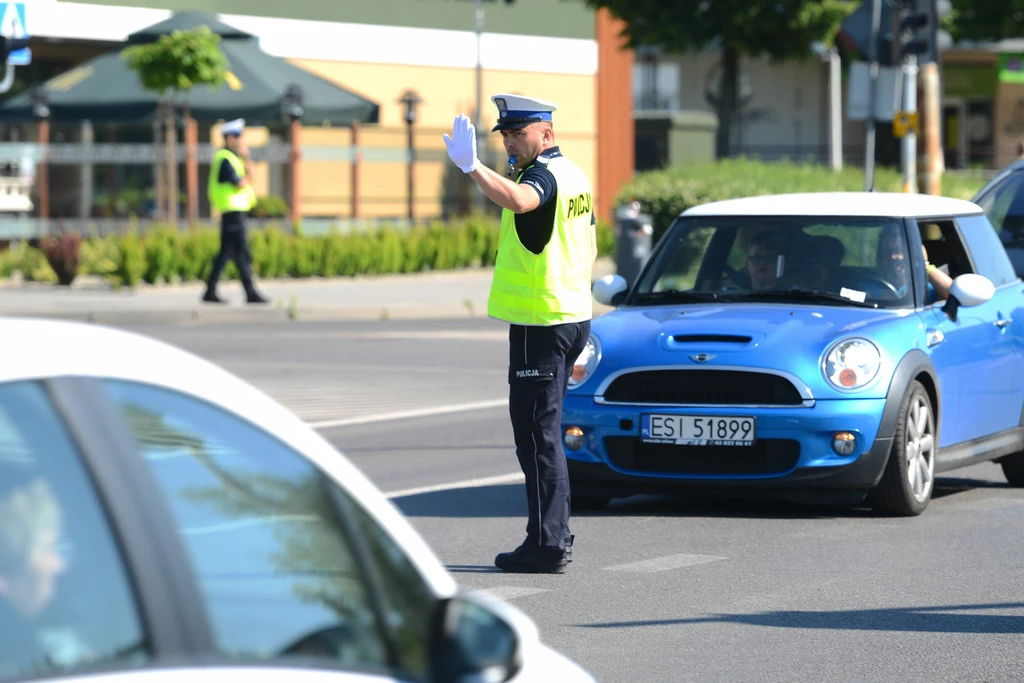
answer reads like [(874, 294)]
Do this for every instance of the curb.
[(240, 315)]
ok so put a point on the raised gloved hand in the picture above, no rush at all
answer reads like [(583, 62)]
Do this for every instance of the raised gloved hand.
[(462, 144)]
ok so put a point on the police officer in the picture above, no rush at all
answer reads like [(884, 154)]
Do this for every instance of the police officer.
[(542, 288), (231, 194)]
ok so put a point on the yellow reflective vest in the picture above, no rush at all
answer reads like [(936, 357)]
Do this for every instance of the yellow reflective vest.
[(226, 197), (552, 287)]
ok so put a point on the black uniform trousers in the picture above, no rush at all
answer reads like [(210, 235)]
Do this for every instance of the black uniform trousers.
[(540, 362), (234, 245)]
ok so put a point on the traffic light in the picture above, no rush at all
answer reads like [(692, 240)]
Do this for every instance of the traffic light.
[(919, 30)]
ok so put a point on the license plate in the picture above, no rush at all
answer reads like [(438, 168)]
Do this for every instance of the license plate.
[(697, 430)]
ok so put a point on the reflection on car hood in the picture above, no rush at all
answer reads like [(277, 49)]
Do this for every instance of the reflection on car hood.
[(786, 337)]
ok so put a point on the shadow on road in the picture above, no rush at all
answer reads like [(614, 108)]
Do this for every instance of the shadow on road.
[(509, 500), (940, 619)]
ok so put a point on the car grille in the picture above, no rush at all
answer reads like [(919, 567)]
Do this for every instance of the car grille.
[(766, 456), (703, 387)]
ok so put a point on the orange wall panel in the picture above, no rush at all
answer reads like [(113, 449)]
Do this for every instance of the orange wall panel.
[(615, 127)]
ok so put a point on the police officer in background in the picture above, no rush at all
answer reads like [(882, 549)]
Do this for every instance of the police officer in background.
[(542, 287), (231, 194)]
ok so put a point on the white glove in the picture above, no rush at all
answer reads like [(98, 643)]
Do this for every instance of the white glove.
[(462, 144)]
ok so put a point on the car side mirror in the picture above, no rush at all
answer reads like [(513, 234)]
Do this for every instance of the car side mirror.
[(969, 289), (611, 290), (476, 638)]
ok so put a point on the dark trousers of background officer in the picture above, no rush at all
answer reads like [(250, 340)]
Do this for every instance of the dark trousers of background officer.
[(540, 362), (234, 245)]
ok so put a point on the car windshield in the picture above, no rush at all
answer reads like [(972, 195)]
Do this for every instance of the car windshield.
[(839, 261)]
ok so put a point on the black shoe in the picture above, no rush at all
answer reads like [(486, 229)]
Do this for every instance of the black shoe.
[(568, 548), (212, 298), (256, 299), (533, 559)]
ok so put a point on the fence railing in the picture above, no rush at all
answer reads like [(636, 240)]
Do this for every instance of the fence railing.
[(79, 153)]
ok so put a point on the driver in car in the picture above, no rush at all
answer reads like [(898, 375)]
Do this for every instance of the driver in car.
[(894, 266)]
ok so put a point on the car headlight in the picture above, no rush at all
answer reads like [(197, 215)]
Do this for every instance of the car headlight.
[(852, 363), (586, 363)]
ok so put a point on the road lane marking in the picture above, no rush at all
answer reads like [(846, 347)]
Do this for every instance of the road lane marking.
[(511, 592), (499, 480), (409, 414), (661, 564)]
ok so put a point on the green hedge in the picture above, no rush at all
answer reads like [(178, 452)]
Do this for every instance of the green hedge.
[(166, 254), (665, 194)]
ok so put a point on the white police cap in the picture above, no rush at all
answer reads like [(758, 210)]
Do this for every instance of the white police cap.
[(516, 111), (233, 127)]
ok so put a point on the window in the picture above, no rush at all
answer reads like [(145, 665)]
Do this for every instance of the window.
[(261, 526), (841, 260), (989, 255), (65, 600), (1004, 206)]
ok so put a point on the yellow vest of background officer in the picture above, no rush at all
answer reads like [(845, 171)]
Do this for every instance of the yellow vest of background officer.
[(552, 287), (225, 197)]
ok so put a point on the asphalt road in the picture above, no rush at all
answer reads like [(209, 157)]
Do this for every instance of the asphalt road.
[(660, 589)]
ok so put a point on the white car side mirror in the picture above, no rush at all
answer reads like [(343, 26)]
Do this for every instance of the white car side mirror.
[(969, 289), (610, 290), (480, 639)]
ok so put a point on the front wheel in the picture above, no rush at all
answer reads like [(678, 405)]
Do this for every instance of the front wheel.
[(1013, 469), (909, 478)]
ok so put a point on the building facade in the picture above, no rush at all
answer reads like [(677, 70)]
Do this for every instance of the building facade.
[(551, 49)]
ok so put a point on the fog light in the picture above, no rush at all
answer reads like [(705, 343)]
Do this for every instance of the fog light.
[(573, 438), (844, 443)]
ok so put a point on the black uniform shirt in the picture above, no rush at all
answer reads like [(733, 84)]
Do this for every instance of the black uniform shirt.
[(227, 173), (534, 227)]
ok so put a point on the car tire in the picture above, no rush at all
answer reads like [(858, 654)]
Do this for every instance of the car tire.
[(909, 478), (584, 503), (1013, 469)]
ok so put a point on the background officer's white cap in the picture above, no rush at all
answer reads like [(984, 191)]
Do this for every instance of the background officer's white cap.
[(233, 127), (516, 111)]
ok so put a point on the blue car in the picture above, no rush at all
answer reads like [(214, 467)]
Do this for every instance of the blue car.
[(1002, 200), (802, 345)]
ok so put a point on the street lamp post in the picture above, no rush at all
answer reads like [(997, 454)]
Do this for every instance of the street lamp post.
[(411, 99), (480, 145), (293, 110)]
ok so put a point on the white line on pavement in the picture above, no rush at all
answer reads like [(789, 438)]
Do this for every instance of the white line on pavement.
[(512, 592), (661, 564), (407, 414), (466, 484)]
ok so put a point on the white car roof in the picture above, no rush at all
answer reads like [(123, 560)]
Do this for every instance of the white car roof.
[(869, 204), (37, 349)]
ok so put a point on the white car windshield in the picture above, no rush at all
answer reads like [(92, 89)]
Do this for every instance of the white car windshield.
[(845, 261)]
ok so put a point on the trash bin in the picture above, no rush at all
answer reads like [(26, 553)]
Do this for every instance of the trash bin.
[(634, 232)]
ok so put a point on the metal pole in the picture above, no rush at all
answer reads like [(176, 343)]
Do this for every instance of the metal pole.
[(835, 109), (480, 142), (409, 169), (909, 143), (869, 159), (8, 81)]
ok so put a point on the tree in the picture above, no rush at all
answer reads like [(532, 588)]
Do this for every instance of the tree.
[(984, 20), (782, 29), (170, 67)]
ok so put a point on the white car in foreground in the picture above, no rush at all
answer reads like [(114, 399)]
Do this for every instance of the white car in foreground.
[(161, 519)]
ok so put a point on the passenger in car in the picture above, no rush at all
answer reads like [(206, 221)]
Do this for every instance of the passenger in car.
[(814, 260)]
